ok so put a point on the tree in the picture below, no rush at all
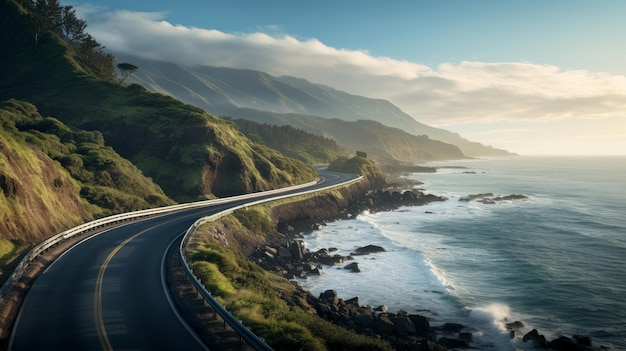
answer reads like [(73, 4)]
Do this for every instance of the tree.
[(45, 16), (93, 56), (72, 27), (126, 69)]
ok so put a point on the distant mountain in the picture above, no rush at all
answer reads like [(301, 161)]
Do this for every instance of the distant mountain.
[(380, 142), (225, 91)]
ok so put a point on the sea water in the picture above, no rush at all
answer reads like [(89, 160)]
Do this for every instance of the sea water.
[(555, 261)]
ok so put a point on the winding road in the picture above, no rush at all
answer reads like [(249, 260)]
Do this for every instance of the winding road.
[(108, 292)]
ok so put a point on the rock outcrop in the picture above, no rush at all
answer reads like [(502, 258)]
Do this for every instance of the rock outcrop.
[(490, 198)]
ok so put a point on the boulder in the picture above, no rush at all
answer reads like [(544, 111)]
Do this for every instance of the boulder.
[(537, 340), (284, 252), (514, 197), (451, 343), (330, 297), (297, 250), (364, 320), (353, 267), (422, 326), (565, 344), (316, 271), (452, 327), (383, 325), (514, 325), (271, 250), (353, 301), (366, 250), (476, 197), (403, 326), (582, 339), (466, 336), (331, 260), (381, 308)]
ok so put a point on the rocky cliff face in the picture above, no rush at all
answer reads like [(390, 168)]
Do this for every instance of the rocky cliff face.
[(38, 198)]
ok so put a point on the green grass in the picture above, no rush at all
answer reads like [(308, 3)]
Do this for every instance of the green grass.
[(105, 179), (6, 248), (254, 296)]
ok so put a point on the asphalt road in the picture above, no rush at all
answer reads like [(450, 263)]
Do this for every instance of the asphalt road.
[(108, 291)]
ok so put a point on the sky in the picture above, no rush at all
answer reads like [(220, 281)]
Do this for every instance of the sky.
[(535, 77)]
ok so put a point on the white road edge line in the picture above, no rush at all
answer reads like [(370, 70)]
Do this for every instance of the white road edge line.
[(169, 296)]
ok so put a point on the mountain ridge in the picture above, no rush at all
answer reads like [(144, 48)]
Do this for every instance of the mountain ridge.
[(225, 91)]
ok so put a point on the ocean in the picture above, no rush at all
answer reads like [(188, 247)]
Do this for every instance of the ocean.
[(556, 261)]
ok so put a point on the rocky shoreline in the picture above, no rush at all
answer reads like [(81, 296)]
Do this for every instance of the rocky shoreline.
[(405, 331)]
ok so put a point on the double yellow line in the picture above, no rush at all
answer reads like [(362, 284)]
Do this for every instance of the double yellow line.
[(97, 301)]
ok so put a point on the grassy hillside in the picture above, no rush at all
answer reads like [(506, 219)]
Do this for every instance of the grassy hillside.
[(53, 178), (188, 152), (107, 182)]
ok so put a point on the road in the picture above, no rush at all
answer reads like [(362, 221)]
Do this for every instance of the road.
[(108, 291)]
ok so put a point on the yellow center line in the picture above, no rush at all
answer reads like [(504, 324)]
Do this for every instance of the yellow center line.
[(97, 301)]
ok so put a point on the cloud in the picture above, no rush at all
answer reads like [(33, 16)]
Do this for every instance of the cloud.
[(446, 95)]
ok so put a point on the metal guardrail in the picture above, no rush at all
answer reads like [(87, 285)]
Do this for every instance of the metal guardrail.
[(18, 272), (245, 333)]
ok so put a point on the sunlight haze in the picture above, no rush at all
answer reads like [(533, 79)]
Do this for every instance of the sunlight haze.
[(532, 77)]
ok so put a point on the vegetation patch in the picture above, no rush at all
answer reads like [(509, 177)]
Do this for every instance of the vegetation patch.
[(361, 166), (259, 298)]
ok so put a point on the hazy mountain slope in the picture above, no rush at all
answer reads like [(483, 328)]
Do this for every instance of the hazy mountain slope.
[(379, 141), (222, 91), (388, 114), (188, 152)]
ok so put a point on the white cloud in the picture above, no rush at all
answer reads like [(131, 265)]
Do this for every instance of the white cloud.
[(450, 94)]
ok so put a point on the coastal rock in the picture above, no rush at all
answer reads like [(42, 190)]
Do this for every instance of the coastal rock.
[(316, 271), (452, 327), (364, 320), (381, 308), (476, 197), (284, 252), (582, 339), (297, 250), (451, 343), (466, 336), (514, 325), (353, 267), (537, 340), (403, 326), (421, 324), (329, 296), (566, 344), (383, 325), (490, 199), (512, 197), (330, 260), (353, 301), (366, 250)]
